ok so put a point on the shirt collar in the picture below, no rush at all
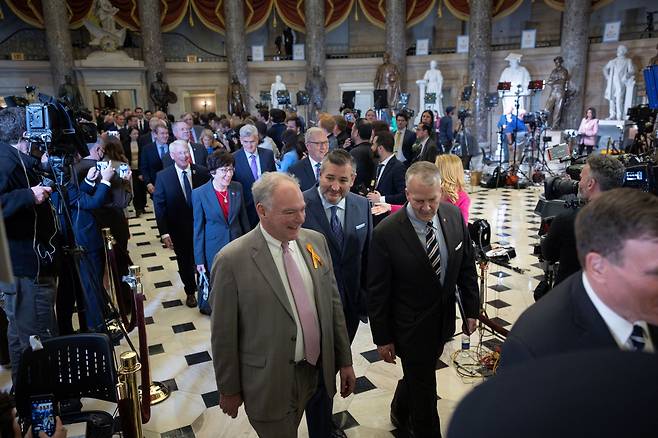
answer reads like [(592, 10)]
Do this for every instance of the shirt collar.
[(417, 223), (619, 327), (180, 171), (249, 154), (313, 163), (272, 242), (327, 205), (385, 162)]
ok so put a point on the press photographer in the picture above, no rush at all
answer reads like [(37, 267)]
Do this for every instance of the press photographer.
[(600, 173), (30, 223)]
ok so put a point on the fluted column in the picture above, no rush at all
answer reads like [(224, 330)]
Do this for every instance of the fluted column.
[(575, 47), (479, 62), (149, 17), (236, 49), (315, 53), (58, 39), (396, 41)]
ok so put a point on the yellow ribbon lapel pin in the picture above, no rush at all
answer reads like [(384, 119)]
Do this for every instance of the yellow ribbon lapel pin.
[(314, 256)]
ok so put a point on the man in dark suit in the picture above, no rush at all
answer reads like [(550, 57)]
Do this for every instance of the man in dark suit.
[(389, 176), (142, 123), (275, 132), (251, 162), (198, 153), (424, 149), (404, 139), (153, 153), (362, 153), (417, 258), (446, 132), (195, 130), (307, 170), (149, 136), (345, 221), (172, 201), (612, 303)]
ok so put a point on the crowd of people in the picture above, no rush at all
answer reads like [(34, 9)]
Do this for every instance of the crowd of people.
[(346, 220)]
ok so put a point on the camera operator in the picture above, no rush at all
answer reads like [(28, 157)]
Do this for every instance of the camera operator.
[(601, 173), (31, 232)]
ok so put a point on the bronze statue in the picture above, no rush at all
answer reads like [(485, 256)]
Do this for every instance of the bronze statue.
[(160, 94), (559, 83), (316, 85), (69, 92), (388, 78), (236, 93)]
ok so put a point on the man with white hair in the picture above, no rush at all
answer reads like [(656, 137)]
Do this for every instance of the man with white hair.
[(251, 162), (277, 329), (198, 153), (172, 202), (307, 170)]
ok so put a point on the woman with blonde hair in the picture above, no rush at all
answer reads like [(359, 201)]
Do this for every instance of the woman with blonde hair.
[(452, 182), (209, 142)]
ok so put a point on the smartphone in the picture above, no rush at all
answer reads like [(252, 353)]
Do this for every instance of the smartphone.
[(123, 170), (43, 415), (101, 165)]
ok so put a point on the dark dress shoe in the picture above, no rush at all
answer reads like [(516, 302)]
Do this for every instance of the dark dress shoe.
[(337, 433), (191, 301)]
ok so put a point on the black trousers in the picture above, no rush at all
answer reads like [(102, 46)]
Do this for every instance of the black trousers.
[(414, 402), (185, 260), (139, 191)]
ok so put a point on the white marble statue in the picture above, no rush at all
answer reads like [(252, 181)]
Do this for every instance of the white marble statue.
[(519, 77), (277, 86), (107, 36), (434, 84), (620, 76)]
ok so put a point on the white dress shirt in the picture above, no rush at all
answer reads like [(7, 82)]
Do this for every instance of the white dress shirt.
[(179, 172), (340, 211), (619, 327), (385, 162), (313, 167), (274, 246)]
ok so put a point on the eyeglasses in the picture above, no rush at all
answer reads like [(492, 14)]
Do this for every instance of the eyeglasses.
[(225, 170), (319, 142)]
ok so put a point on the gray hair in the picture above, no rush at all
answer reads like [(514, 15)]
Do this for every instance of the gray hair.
[(427, 172), (248, 131), (607, 171), (178, 143), (310, 132), (263, 189)]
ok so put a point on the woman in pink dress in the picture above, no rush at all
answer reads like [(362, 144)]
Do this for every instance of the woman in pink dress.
[(588, 130)]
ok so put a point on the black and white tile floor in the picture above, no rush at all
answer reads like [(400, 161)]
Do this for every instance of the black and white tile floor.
[(179, 337)]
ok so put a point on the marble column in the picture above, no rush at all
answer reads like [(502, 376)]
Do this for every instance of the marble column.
[(575, 48), (479, 63), (236, 49), (396, 41), (315, 53), (149, 18), (58, 39)]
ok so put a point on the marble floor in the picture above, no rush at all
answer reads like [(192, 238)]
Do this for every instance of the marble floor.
[(179, 337)]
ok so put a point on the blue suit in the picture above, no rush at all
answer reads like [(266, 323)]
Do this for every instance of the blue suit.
[(150, 163), (349, 261), (304, 173), (212, 231), (244, 176)]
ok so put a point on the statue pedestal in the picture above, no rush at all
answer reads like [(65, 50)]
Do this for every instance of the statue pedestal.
[(422, 83)]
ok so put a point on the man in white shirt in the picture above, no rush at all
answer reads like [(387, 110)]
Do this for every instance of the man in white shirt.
[(613, 303), (389, 173)]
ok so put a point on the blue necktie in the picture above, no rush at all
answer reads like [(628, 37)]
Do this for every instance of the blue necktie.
[(336, 227), (188, 189), (163, 151), (317, 172)]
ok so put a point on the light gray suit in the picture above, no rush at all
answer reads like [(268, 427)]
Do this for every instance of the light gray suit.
[(253, 331)]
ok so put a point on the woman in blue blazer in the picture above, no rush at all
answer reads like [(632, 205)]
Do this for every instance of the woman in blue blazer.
[(220, 215)]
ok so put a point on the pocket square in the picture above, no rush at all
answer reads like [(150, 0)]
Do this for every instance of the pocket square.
[(358, 227), (459, 246)]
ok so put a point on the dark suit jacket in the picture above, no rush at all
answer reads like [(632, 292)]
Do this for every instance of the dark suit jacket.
[(150, 163), (244, 176), (407, 305), (275, 133), (365, 166), (212, 231), (145, 138), (304, 172), (428, 153), (172, 213), (391, 182), (565, 320), (446, 133), (407, 146), (559, 244), (351, 260), (200, 156)]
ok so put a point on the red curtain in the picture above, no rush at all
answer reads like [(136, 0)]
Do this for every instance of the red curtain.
[(292, 13), (375, 11), (30, 11), (501, 8)]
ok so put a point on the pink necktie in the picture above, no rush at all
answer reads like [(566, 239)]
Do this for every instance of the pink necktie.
[(307, 316)]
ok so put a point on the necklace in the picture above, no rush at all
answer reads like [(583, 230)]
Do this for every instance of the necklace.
[(224, 196)]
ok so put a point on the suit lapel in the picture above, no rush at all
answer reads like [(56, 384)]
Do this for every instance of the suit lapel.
[(350, 225), (233, 203), (309, 170), (387, 169), (317, 209), (243, 162), (303, 243), (450, 237), (265, 264), (211, 200), (409, 236), (261, 160), (595, 332)]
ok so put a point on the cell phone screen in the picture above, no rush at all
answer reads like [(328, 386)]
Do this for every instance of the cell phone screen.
[(43, 416)]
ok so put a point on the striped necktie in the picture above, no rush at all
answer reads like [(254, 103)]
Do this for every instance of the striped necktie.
[(637, 338), (432, 247)]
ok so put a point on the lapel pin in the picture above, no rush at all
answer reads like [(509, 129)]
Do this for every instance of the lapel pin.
[(314, 256)]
